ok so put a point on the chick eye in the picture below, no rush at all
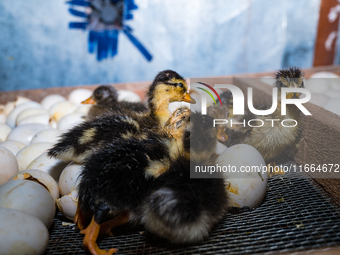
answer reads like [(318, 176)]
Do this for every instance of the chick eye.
[(98, 92), (180, 84)]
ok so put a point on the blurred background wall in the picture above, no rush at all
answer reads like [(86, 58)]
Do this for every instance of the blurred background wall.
[(194, 37)]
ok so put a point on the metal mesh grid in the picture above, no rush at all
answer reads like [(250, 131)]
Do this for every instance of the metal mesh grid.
[(294, 216)]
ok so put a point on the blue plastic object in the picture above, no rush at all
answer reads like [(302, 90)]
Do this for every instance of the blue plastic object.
[(104, 20)]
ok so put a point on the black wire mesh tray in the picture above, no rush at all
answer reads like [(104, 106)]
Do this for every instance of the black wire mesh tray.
[(294, 216)]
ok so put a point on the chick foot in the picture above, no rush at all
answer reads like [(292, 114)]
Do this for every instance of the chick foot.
[(90, 238), (107, 226), (79, 218)]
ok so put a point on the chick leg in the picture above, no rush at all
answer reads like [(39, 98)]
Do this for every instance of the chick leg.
[(79, 218), (120, 219), (92, 232)]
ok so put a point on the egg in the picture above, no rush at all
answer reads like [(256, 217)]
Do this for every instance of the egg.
[(28, 197), (333, 105), (11, 105), (246, 188), (61, 109), (324, 75), (21, 233), (52, 166), (43, 118), (27, 154), (335, 84), (268, 80), (8, 166), (126, 95), (71, 120), (47, 135), (40, 177), (26, 132), (29, 113), (68, 180), (84, 108), (79, 95), (51, 100), (68, 204), (317, 85), (4, 131), (12, 117), (220, 148), (13, 146), (333, 93), (3, 116)]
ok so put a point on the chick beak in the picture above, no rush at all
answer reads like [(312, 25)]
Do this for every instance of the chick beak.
[(89, 101), (221, 135), (188, 99)]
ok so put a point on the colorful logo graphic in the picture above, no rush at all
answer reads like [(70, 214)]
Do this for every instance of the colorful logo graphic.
[(211, 88)]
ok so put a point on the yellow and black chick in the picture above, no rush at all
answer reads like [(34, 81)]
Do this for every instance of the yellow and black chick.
[(105, 99), (183, 209), (83, 140)]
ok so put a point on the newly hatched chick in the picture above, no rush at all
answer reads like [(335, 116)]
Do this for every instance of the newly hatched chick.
[(183, 209), (276, 142), (105, 99), (83, 140)]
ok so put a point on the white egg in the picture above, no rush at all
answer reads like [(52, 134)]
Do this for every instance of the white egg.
[(28, 197), (68, 180), (28, 113), (127, 95), (21, 233), (61, 109), (8, 166), (71, 120), (79, 95), (13, 146), (324, 75), (246, 187), (48, 135), (333, 105), (27, 154), (68, 204), (26, 132), (12, 117), (317, 85), (4, 131), (40, 177), (318, 99), (175, 105), (11, 105), (52, 166), (220, 148), (43, 118), (51, 100), (84, 108)]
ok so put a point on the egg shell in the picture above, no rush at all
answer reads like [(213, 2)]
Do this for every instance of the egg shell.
[(51, 100), (29, 113), (8, 166), (27, 154), (28, 197), (42, 177), (333, 105), (246, 189), (12, 117), (220, 148), (79, 95), (13, 146), (68, 204), (26, 132), (48, 135), (61, 109), (4, 131), (52, 166), (21, 233), (126, 95), (68, 180), (71, 120)]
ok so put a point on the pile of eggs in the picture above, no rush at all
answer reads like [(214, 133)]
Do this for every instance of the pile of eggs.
[(32, 185)]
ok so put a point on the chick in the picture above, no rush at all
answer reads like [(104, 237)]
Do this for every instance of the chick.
[(105, 99), (183, 209), (83, 140)]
